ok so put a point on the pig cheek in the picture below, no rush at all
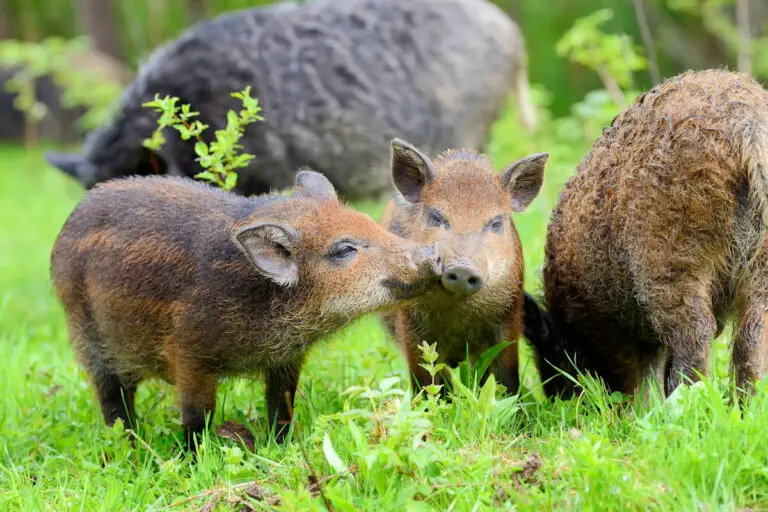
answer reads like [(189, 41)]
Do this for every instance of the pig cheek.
[(425, 234), (330, 280), (331, 290), (499, 260), (377, 269), (390, 262), (358, 286)]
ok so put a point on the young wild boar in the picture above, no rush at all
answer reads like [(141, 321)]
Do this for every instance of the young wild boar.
[(459, 202), (659, 239), (337, 80), (165, 277)]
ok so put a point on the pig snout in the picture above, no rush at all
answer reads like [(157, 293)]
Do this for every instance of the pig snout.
[(462, 279), (423, 264), (432, 259), (425, 261)]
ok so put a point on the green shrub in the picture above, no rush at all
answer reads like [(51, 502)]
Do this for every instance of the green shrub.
[(221, 157), (53, 57)]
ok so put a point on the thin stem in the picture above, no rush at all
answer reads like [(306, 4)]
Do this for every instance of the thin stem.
[(219, 181), (611, 86), (650, 47), (745, 37)]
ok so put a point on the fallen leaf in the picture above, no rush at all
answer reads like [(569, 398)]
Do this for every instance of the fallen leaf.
[(257, 492), (238, 433), (531, 465)]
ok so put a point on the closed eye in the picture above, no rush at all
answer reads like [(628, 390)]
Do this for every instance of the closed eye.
[(342, 251), (436, 219), (496, 224)]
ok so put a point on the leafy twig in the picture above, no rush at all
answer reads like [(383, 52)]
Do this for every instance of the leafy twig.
[(612, 56), (221, 157)]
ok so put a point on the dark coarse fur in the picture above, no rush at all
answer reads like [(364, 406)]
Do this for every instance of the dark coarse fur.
[(660, 238), (459, 202), (165, 277), (337, 80)]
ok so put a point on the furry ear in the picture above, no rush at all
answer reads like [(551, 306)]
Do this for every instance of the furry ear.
[(536, 323), (522, 179), (315, 185), (272, 249), (71, 164), (411, 170)]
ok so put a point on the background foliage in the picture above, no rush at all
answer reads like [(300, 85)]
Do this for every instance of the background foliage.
[(686, 33)]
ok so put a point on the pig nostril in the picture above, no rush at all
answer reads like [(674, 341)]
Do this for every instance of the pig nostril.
[(462, 280)]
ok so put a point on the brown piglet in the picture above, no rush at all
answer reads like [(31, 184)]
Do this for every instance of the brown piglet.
[(659, 240), (459, 202), (169, 278)]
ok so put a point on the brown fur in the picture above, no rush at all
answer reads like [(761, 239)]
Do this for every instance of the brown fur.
[(469, 195), (660, 238), (169, 278)]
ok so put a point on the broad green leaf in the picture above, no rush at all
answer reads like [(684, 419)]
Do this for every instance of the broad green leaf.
[(386, 383), (361, 444), (331, 456), (405, 404), (201, 149), (460, 388), (505, 409), (338, 501), (232, 119), (230, 181), (118, 427), (487, 397), (489, 356), (205, 175)]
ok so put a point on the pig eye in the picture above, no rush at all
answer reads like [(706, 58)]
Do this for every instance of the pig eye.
[(342, 251), (435, 219), (496, 225)]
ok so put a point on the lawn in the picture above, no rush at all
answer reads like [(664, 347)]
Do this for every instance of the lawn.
[(361, 441)]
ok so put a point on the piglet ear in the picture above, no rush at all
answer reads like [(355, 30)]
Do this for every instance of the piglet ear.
[(411, 170), (272, 249), (316, 185), (522, 179)]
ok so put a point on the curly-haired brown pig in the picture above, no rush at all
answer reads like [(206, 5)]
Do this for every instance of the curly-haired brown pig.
[(659, 239), (166, 277), (459, 202)]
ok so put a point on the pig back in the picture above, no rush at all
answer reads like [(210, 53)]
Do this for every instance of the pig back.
[(337, 81), (140, 257)]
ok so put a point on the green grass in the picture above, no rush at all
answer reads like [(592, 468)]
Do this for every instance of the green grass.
[(391, 452)]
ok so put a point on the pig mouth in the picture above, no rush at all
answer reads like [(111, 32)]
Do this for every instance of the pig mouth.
[(402, 290)]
